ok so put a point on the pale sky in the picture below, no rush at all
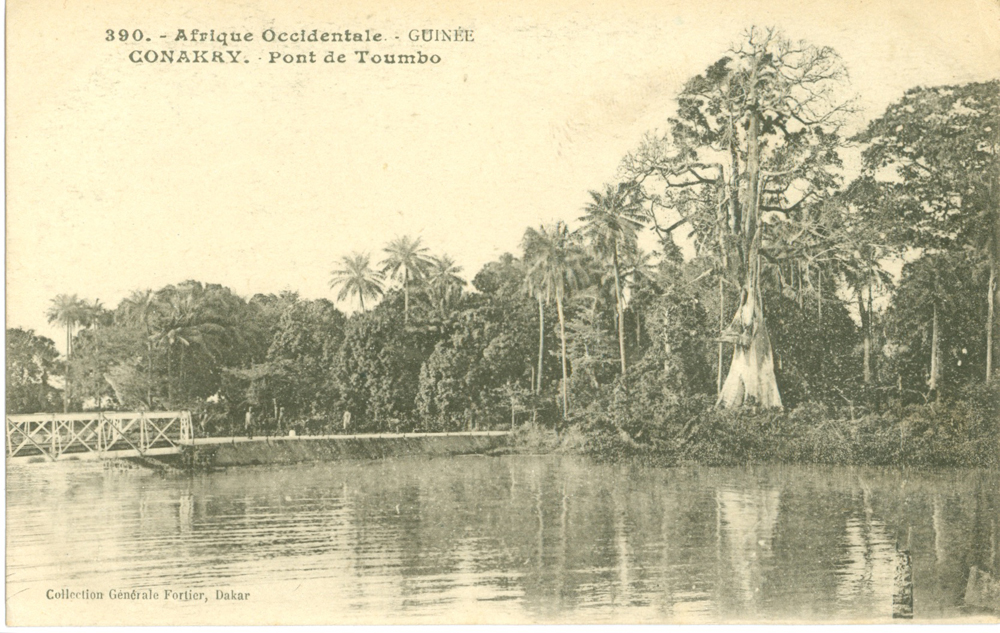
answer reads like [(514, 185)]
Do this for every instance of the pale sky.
[(258, 176)]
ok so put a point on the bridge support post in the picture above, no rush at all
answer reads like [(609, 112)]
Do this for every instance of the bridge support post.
[(187, 432), (52, 438)]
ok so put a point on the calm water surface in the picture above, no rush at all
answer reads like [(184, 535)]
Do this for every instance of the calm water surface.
[(508, 538)]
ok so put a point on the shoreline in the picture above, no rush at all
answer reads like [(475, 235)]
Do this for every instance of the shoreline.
[(222, 452), (950, 434), (211, 453)]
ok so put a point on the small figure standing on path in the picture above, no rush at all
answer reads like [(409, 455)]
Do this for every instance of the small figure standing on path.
[(347, 419), (248, 423)]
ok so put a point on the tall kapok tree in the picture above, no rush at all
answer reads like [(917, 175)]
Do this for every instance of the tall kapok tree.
[(407, 261), (556, 267), (936, 153), (611, 223), (753, 143)]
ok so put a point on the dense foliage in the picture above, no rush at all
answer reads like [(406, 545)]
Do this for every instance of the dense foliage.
[(586, 332)]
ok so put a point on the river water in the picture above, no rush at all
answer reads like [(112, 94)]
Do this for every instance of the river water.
[(497, 539)]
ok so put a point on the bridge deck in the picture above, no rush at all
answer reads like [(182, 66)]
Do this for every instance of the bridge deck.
[(34, 452), (337, 436), (89, 456)]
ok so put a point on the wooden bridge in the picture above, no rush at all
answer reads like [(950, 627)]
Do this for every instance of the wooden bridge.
[(96, 435)]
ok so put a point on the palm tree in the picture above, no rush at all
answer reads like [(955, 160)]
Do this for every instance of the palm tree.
[(407, 261), (94, 314), (355, 276), (637, 268), (140, 309), (539, 295), (611, 223), (67, 311), (862, 273), (556, 267), (189, 319), (532, 243), (443, 281)]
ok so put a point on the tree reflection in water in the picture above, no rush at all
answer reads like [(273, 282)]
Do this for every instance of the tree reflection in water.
[(516, 538)]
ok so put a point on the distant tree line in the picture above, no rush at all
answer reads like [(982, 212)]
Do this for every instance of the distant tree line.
[(787, 300)]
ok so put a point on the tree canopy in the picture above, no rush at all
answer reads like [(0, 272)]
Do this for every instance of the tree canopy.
[(787, 302)]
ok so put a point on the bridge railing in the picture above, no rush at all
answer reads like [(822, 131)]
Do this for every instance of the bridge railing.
[(97, 434)]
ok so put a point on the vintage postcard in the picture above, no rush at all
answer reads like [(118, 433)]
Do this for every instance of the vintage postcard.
[(542, 311)]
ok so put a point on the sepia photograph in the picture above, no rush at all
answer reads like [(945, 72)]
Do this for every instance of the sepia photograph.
[(526, 312)]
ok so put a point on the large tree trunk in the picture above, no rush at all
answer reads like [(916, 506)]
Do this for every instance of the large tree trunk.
[(819, 296), (40, 405), (149, 375), (619, 312), (181, 377), (638, 329), (69, 379), (722, 325), (541, 343), (562, 336), (406, 300), (932, 383), (866, 333), (994, 299), (798, 277), (990, 298), (751, 374), (170, 381)]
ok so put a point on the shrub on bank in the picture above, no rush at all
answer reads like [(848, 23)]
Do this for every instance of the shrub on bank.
[(961, 432), (535, 439)]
